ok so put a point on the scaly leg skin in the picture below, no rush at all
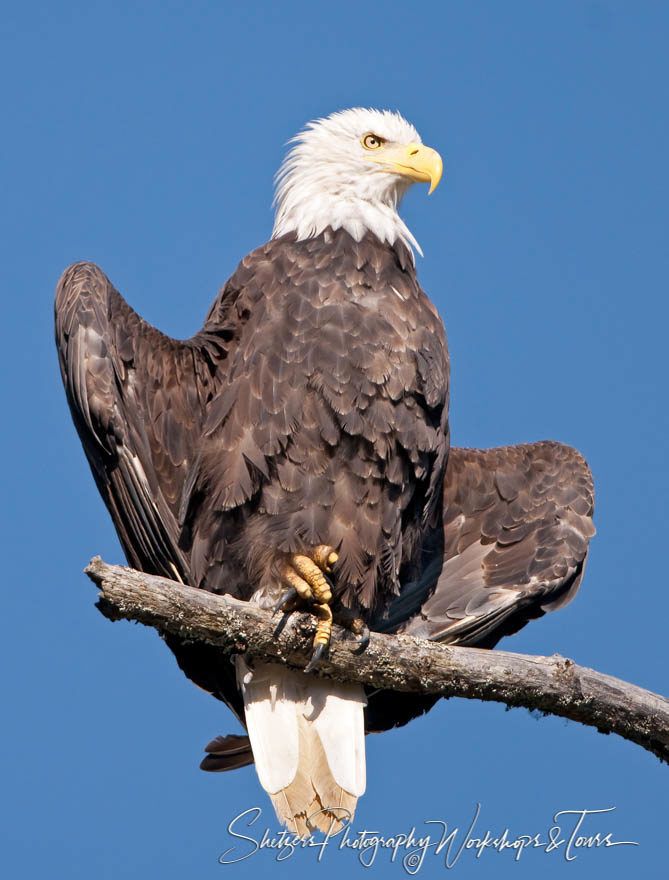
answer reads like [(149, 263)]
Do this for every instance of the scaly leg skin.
[(308, 583)]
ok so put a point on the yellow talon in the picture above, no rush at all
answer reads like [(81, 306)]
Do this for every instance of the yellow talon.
[(324, 628)]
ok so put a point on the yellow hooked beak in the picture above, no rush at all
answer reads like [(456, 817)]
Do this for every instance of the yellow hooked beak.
[(415, 161)]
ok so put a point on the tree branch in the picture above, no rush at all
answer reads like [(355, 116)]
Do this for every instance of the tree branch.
[(553, 685)]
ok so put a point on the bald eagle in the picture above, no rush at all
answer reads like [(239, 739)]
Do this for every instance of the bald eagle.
[(295, 453)]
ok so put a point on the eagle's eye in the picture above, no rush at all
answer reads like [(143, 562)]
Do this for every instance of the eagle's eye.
[(372, 142)]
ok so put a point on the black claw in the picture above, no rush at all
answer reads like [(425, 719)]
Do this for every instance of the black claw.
[(319, 651), (363, 641), (287, 597)]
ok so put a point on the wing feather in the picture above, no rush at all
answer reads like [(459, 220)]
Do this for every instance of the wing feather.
[(517, 522), (128, 390)]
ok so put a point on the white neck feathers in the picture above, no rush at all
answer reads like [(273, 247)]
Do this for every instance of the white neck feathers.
[(308, 214)]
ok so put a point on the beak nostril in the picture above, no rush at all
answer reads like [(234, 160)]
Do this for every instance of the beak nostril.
[(413, 152)]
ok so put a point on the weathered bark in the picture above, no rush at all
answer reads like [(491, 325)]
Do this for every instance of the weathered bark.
[(553, 685)]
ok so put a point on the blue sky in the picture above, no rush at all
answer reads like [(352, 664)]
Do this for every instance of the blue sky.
[(145, 137)]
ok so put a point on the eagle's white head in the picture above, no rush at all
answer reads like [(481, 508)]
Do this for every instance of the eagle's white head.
[(351, 170)]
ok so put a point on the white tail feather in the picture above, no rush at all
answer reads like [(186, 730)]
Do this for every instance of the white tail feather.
[(308, 741)]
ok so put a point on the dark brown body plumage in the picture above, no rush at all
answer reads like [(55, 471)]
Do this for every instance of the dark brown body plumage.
[(312, 408), (327, 423)]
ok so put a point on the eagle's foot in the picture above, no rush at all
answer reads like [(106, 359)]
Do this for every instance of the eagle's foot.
[(307, 583), (306, 577), (356, 625)]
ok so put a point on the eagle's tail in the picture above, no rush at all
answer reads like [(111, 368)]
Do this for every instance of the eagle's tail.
[(308, 740)]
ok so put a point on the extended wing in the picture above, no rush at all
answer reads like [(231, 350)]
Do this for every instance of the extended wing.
[(138, 399), (517, 523), (134, 401)]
